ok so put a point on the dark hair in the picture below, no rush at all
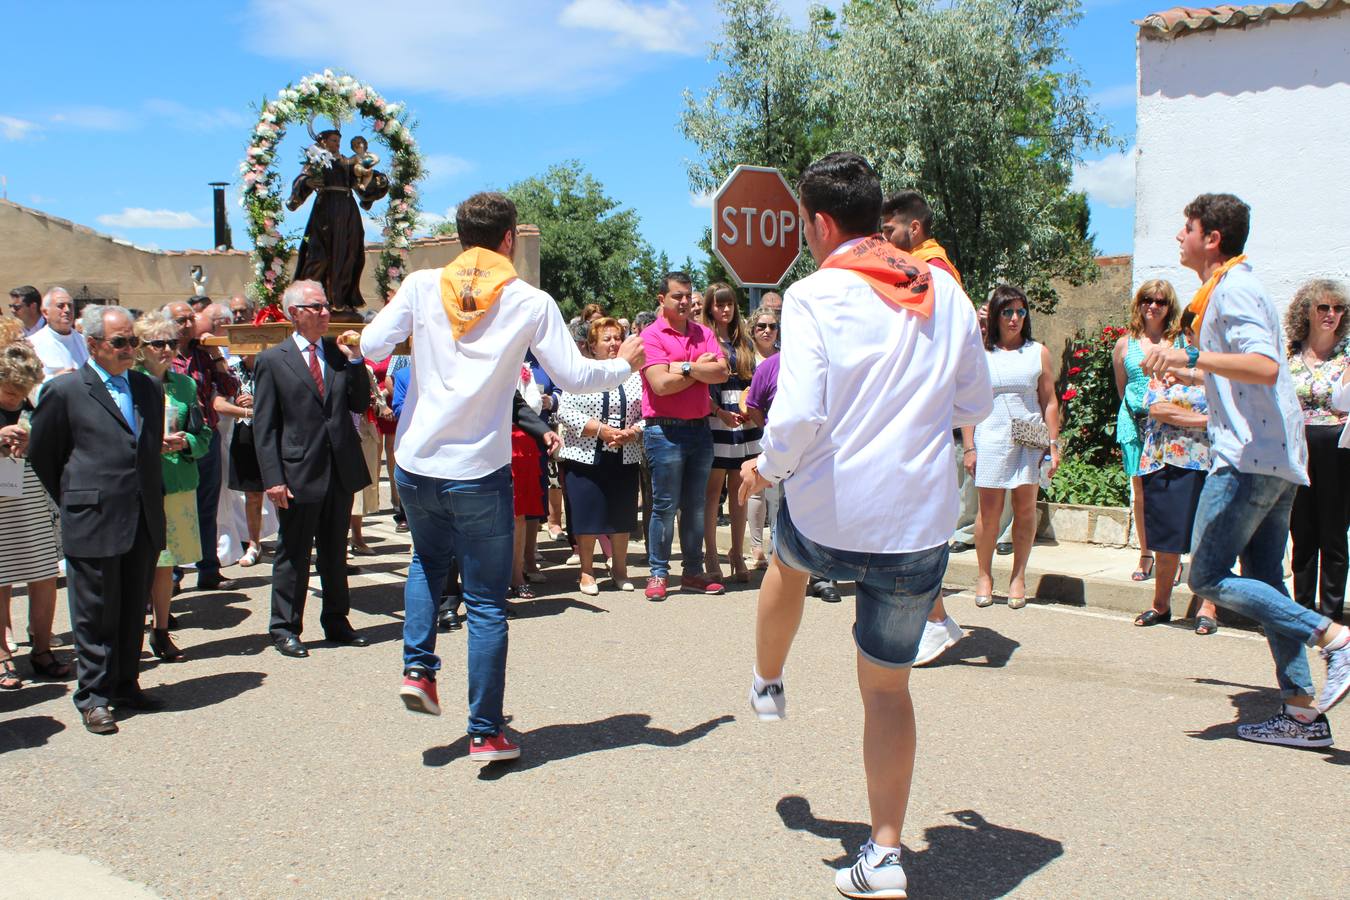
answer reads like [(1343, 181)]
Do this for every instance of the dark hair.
[(678, 278), (845, 187), (1227, 215), (738, 336), (1003, 295), (643, 320), (27, 293), (327, 131), (484, 219), (910, 206)]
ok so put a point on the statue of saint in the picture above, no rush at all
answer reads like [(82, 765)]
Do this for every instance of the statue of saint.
[(333, 250)]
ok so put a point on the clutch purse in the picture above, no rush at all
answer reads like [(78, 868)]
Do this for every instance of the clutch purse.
[(1031, 432)]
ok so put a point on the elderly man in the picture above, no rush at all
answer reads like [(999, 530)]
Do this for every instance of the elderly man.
[(23, 302), (207, 367), (96, 443), (59, 346), (306, 389), (241, 310)]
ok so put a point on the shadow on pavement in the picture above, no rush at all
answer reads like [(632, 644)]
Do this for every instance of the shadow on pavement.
[(551, 606), (1255, 704), (557, 742), (214, 611), (980, 643), (971, 861), (31, 695), (28, 732), (206, 690)]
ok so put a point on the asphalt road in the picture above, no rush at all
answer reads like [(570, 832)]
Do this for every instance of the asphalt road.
[(1063, 753)]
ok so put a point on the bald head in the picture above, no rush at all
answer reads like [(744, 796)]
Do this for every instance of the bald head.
[(59, 308)]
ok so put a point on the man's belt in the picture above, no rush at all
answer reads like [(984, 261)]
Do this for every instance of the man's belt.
[(664, 421)]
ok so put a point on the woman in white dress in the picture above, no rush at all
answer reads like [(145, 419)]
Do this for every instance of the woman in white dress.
[(1024, 389)]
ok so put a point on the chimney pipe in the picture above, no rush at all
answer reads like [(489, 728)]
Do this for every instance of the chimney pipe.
[(222, 235)]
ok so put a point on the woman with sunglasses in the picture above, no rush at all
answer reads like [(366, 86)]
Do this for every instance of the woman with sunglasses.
[(734, 441), (1153, 323), (187, 438), (764, 335), (1316, 325), (1024, 391)]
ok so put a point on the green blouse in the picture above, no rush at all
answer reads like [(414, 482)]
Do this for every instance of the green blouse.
[(180, 468)]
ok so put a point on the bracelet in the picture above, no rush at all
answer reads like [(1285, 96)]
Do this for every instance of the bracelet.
[(968, 450)]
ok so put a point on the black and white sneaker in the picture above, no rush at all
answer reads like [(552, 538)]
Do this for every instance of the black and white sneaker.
[(769, 703), (1286, 731), (885, 878)]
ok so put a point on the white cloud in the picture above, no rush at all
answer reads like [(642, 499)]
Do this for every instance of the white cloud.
[(442, 167), (427, 222), (16, 129), (135, 217), (701, 201), (1115, 97), (94, 118), (646, 25), (1109, 180), (191, 119), (478, 49)]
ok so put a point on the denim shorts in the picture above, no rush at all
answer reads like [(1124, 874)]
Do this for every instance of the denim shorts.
[(895, 591)]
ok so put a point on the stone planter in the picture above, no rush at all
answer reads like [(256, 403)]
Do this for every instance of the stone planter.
[(1110, 526)]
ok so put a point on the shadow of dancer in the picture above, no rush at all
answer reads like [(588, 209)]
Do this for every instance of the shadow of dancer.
[(980, 643), (556, 742), (1252, 704), (971, 861), (27, 732)]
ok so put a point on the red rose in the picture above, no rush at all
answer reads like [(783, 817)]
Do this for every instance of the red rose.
[(1074, 370), (1069, 394), (1079, 354)]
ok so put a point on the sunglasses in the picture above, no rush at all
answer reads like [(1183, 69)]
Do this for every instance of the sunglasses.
[(17, 306), (121, 343), (1008, 312), (765, 326), (158, 345), (317, 307), (1324, 308), (1155, 301)]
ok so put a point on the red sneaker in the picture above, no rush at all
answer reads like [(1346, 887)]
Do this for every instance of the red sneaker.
[(656, 588), (419, 691), (703, 584), (487, 748)]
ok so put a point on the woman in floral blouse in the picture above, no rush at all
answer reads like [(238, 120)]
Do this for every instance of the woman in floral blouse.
[(1173, 460), (1316, 325)]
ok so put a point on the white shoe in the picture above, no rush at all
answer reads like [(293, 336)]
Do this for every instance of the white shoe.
[(937, 638), (625, 585), (863, 879), (769, 704), (590, 590)]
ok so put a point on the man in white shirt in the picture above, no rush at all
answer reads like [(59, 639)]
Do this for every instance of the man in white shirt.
[(471, 324), (1259, 458), (881, 360), (60, 348), (23, 303)]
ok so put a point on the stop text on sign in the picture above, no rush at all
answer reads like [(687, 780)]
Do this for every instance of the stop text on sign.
[(770, 227)]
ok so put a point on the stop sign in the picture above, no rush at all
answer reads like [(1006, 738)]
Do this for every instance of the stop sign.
[(756, 229)]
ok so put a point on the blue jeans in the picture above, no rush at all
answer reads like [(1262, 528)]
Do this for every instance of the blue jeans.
[(680, 458), (1245, 516), (895, 591), (469, 522)]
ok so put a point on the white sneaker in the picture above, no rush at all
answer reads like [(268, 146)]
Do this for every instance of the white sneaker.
[(863, 879), (937, 638), (770, 704), (1338, 678)]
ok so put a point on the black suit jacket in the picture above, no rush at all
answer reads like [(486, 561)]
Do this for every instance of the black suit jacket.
[(305, 442), (102, 476)]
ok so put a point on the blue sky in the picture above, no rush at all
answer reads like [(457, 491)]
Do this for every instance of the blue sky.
[(118, 121)]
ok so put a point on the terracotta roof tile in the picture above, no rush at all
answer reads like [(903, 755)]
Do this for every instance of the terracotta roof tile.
[(1182, 20)]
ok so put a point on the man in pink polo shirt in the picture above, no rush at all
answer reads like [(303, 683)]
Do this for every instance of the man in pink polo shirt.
[(683, 358)]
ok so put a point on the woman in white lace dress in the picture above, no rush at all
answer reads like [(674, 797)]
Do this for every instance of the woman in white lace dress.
[(1024, 389)]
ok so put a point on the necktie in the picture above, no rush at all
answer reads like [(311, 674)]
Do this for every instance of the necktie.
[(123, 398), (314, 368)]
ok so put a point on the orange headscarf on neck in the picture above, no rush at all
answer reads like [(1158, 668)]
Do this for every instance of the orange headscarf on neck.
[(471, 285), (1200, 303), (901, 280)]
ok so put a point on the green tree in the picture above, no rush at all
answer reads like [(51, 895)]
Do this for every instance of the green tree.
[(590, 249)]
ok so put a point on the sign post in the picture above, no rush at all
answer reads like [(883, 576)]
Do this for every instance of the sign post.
[(756, 229)]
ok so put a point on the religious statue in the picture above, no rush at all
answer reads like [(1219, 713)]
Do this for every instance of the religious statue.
[(333, 250)]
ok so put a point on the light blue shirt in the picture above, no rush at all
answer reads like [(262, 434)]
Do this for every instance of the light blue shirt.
[(1252, 427), (120, 388)]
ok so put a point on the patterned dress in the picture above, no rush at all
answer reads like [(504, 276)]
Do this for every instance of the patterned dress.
[(1172, 445), (731, 446), (1000, 463), (28, 549)]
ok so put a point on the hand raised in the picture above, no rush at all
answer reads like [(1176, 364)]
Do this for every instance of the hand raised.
[(633, 352)]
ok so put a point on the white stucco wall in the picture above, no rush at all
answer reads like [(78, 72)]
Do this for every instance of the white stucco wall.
[(1262, 112)]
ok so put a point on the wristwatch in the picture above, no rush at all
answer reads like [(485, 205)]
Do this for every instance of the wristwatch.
[(1192, 355), (686, 369)]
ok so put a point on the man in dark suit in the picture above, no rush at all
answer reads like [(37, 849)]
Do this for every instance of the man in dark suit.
[(96, 441), (305, 392)]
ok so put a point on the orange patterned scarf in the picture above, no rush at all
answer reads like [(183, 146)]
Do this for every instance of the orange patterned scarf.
[(930, 251), (1200, 303), (901, 280), (472, 285)]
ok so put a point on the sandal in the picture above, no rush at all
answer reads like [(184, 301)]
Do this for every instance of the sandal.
[(739, 573), (250, 557), (1142, 574), (521, 592), (1205, 625), (1152, 617), (53, 669), (9, 676)]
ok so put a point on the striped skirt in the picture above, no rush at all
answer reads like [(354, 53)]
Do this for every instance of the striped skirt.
[(27, 534)]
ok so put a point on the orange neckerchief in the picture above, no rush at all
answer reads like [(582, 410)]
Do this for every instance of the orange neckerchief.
[(471, 285), (1200, 302), (901, 280), (930, 251)]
